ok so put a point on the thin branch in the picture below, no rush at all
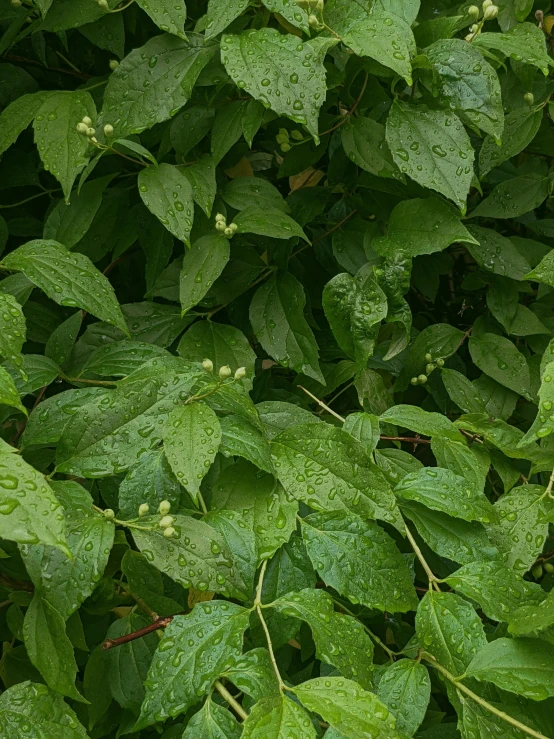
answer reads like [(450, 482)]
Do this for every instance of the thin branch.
[(262, 277), (224, 693), (161, 623), (27, 200), (322, 404), (410, 439), (548, 490), (34, 63), (282, 685), (474, 697), (324, 235)]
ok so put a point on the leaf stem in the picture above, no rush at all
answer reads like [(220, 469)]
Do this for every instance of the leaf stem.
[(487, 706), (258, 598), (33, 197), (202, 503), (224, 693), (161, 623), (433, 581), (282, 685), (322, 404), (550, 485)]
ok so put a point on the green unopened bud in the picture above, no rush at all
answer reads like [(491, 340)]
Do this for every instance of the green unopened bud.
[(220, 226), (313, 21), (440, 362), (220, 218), (429, 368), (297, 135), (487, 3), (548, 567), (208, 365), (144, 510), (93, 140), (319, 5), (282, 138), (82, 128), (537, 572), (422, 379), (285, 147), (490, 13), (414, 381), (114, 64), (240, 373), (108, 130), (86, 120), (166, 522), (103, 4), (233, 227), (225, 372), (169, 533), (164, 507), (228, 232), (109, 514), (16, 3), (474, 28), (473, 11), (469, 37), (428, 357), (90, 132), (529, 98)]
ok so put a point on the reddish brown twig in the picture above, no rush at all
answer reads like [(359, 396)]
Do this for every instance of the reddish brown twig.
[(409, 439), (161, 623)]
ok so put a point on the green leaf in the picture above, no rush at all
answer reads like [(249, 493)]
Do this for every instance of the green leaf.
[(196, 649), (449, 628), (520, 128), (61, 147), (355, 307), (196, 556), (170, 66), (497, 254), (347, 480), (121, 358), (498, 590), (13, 329), (243, 192), (201, 176), (468, 84), (276, 69), (221, 13), (348, 708), (421, 421), (166, 14), (462, 391), (440, 340), (363, 140), (522, 528), (278, 717), (63, 338), (212, 722), (380, 34), (223, 344), (277, 317), (514, 198), (127, 665), (108, 33), (150, 481), (470, 462), (168, 195), (32, 707), (268, 221), (237, 528), (253, 673), (49, 648), (39, 371), (244, 487), (276, 416), (440, 156), (67, 278), (405, 688), (17, 116), (62, 582), (8, 392), (543, 424), (340, 544), (340, 640), (498, 358), (364, 427), (525, 43), (67, 224), (421, 226), (31, 511), (202, 265), (443, 490), (522, 666), (532, 618), (295, 15), (192, 436), (226, 130), (240, 438)]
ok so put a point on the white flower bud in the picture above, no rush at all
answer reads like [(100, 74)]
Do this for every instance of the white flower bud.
[(220, 218), (114, 64), (93, 140), (90, 132), (108, 129), (469, 37), (233, 227), (313, 21), (490, 13), (86, 120), (225, 372), (143, 510), (103, 4), (487, 4), (82, 128), (166, 522), (220, 226), (228, 232), (474, 28), (169, 533), (208, 365), (164, 507), (473, 11), (240, 373), (109, 514)]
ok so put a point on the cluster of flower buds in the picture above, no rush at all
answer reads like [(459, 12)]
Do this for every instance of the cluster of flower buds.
[(490, 11), (224, 372), (283, 138), (84, 127), (313, 7), (429, 367), (221, 226), (166, 521), (539, 569)]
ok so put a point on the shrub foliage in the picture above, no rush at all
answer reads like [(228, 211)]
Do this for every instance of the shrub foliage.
[(277, 369)]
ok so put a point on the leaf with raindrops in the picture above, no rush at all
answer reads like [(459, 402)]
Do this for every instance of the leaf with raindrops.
[(202, 265), (359, 560), (278, 717), (193, 652), (13, 329), (167, 194), (8, 392), (213, 721), (405, 687), (168, 15), (282, 72), (32, 707), (500, 359), (68, 278), (522, 43)]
